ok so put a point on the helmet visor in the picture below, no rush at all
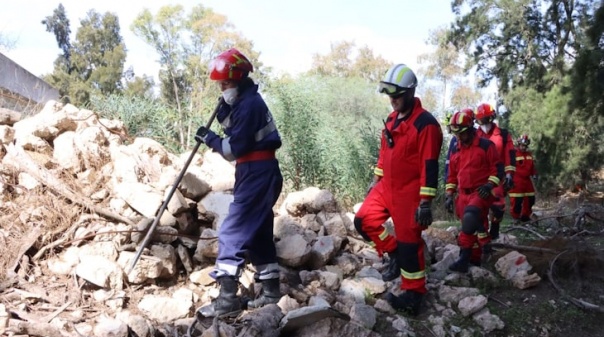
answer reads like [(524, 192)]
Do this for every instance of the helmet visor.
[(457, 129), (484, 120), (390, 89)]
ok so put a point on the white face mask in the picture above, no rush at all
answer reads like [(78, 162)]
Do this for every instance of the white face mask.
[(230, 95), (486, 128)]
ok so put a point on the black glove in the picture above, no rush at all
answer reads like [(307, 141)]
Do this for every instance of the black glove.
[(201, 134), (484, 191), (449, 203), (423, 215), (508, 182)]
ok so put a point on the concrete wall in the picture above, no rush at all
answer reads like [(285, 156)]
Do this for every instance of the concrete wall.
[(23, 85)]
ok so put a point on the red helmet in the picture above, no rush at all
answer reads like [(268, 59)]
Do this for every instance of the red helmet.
[(524, 140), (461, 121), (485, 113), (230, 65), (468, 111)]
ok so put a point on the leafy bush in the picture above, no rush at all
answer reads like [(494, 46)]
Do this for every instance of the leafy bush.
[(566, 142), (142, 117), (330, 129)]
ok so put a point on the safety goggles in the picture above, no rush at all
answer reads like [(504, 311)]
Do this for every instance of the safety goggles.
[(390, 89), (456, 129), (483, 121)]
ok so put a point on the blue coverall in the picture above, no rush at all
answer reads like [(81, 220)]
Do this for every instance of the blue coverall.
[(251, 140)]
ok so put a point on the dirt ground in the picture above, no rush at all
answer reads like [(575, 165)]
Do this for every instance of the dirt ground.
[(573, 305)]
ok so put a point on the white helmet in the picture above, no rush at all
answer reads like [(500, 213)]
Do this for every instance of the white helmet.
[(397, 80)]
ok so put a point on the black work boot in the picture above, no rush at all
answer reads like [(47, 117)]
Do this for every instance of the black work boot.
[(270, 294), (227, 303), (463, 263), (487, 252), (392, 270), (494, 230), (409, 301)]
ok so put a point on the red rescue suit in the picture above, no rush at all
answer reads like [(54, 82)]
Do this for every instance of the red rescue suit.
[(505, 148), (472, 166), (522, 196), (409, 171)]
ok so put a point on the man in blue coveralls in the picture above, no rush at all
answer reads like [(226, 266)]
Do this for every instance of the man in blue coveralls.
[(251, 139)]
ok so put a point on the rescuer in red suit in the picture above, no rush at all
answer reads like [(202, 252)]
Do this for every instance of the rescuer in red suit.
[(474, 172), (522, 195), (485, 116), (405, 181)]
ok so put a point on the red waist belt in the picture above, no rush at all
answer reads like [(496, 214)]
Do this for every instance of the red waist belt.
[(257, 155)]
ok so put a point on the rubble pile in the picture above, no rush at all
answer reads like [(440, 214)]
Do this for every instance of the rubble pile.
[(68, 277)]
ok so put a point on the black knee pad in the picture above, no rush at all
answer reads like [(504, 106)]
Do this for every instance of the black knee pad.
[(406, 256), (358, 225), (470, 222)]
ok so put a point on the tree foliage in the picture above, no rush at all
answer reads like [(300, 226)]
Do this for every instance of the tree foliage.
[(93, 63), (546, 57), (185, 44), (339, 62), (141, 86), (587, 94), (443, 66), (520, 42), (58, 24)]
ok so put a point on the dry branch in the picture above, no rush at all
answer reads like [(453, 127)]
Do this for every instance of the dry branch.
[(62, 240), (24, 162), (29, 241), (556, 216), (34, 328), (525, 229), (56, 313), (523, 248), (90, 236), (490, 297), (578, 302), (587, 233)]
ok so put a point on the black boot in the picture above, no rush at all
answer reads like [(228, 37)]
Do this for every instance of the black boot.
[(409, 301), (392, 270), (270, 294), (463, 263), (494, 230), (227, 302), (487, 252)]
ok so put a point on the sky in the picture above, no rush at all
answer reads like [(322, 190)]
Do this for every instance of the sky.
[(286, 33)]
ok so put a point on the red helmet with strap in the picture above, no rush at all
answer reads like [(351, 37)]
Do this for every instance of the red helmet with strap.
[(461, 121), (485, 113), (524, 140), (230, 65)]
